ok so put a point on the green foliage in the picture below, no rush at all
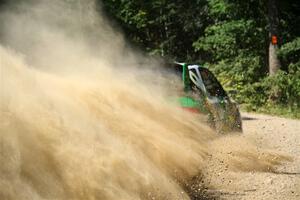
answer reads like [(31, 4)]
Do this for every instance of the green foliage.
[(240, 74), (231, 37), (161, 27), (235, 49), (280, 110), (235, 45), (228, 39), (290, 52), (282, 89), (228, 36), (220, 8)]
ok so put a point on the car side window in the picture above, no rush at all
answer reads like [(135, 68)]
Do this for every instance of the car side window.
[(212, 85)]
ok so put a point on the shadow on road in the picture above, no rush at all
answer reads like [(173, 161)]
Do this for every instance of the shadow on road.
[(249, 118)]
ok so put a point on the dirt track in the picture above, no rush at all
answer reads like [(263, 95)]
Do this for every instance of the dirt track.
[(281, 135)]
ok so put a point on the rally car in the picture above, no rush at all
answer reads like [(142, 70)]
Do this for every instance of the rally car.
[(204, 94)]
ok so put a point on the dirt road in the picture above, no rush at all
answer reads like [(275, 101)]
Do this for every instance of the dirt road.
[(279, 134)]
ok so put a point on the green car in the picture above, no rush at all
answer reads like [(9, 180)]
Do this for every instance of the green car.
[(204, 94)]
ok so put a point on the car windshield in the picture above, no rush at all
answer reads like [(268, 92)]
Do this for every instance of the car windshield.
[(211, 84)]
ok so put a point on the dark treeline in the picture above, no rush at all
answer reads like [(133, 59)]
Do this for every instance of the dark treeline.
[(231, 37)]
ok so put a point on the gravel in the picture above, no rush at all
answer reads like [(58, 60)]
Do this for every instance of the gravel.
[(279, 135)]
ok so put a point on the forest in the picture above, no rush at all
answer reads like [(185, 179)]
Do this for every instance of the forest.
[(253, 46)]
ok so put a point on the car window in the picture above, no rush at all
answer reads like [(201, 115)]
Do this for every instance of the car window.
[(211, 84)]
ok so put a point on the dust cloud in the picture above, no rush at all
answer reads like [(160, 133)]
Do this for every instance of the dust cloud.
[(80, 120)]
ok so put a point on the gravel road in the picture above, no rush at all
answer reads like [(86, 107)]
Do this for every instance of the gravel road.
[(280, 135)]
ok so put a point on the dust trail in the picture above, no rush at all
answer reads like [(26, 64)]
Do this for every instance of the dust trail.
[(76, 124)]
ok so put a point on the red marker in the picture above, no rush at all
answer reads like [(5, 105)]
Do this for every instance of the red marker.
[(274, 40)]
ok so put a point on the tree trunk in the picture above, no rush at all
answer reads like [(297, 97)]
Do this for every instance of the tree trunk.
[(274, 63)]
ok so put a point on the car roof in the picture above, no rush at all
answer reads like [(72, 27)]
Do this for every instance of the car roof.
[(175, 63)]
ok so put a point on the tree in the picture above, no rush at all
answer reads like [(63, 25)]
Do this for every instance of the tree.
[(274, 64), (159, 26)]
